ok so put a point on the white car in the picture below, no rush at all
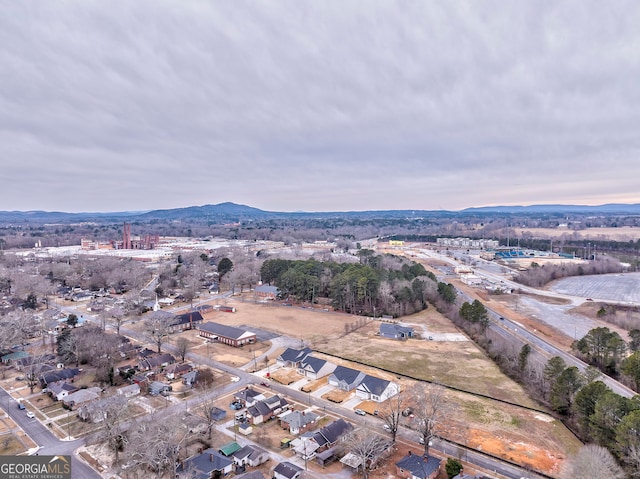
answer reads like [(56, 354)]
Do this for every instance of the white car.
[(235, 379), (30, 415)]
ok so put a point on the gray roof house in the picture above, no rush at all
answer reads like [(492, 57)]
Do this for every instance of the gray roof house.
[(206, 465), (129, 391), (395, 331), (376, 389), (298, 422), (58, 375), (287, 470), (413, 466), (155, 362), (248, 397), (61, 390), (331, 433), (250, 455), (291, 358), (156, 387), (266, 291), (345, 378), (266, 409), (315, 368), (82, 396), (190, 378)]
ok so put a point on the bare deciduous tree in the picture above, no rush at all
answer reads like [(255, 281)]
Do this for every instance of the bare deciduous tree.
[(183, 346), (158, 326), (367, 447), (593, 462), (114, 412), (430, 411), (391, 413)]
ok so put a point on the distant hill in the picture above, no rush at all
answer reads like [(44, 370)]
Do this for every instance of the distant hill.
[(612, 208), (232, 212)]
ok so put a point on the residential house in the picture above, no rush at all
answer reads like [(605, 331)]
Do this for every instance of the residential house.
[(345, 378), (190, 378), (54, 376), (250, 455), (185, 321), (98, 411), (376, 389), (395, 331), (248, 397), (291, 358), (60, 390), (146, 353), (330, 434), (267, 292), (152, 363), (315, 368), (210, 463), (204, 308), (226, 334), (287, 470), (82, 396), (266, 409), (310, 444), (414, 466), (156, 387), (298, 422), (175, 370), (14, 356), (129, 391)]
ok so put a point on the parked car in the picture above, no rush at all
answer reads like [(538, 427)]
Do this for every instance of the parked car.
[(265, 384), (235, 405), (30, 415), (21, 406), (360, 412)]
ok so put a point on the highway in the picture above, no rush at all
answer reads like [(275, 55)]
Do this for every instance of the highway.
[(513, 330)]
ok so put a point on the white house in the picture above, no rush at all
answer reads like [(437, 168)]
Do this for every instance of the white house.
[(376, 389), (315, 368)]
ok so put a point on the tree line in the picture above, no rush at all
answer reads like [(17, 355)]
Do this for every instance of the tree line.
[(375, 286)]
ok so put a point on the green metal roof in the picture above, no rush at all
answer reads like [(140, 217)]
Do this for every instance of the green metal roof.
[(229, 449)]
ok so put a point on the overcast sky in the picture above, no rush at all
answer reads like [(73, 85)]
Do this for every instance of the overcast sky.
[(318, 106)]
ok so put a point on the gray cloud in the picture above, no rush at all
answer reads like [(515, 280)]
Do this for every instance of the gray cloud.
[(317, 106)]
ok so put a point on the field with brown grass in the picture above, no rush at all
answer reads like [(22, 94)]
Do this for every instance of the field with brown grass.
[(517, 434)]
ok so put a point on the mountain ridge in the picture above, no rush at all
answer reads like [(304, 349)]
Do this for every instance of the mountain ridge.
[(233, 211)]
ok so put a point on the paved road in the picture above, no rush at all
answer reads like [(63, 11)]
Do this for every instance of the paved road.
[(44, 438)]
